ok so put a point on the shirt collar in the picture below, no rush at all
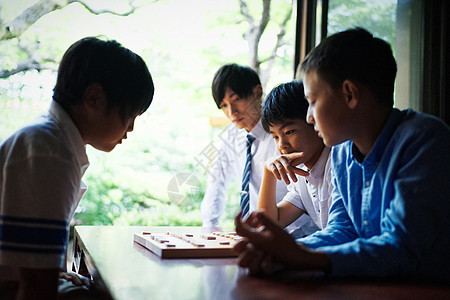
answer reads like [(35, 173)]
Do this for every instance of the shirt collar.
[(61, 117), (258, 131), (383, 138), (316, 173)]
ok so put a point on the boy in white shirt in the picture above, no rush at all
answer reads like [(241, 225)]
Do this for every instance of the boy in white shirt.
[(101, 88), (284, 117)]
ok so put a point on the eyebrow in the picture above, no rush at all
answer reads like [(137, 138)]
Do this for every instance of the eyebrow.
[(285, 124), (232, 94)]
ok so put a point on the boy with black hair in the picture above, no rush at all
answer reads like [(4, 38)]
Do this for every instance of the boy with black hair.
[(237, 91), (389, 213), (284, 118), (101, 88)]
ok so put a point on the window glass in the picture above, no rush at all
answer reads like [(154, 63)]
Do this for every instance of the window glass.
[(378, 17), (157, 176)]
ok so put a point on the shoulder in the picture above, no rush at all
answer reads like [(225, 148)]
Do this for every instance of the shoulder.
[(421, 138), (421, 125), (40, 137), (232, 135), (420, 132)]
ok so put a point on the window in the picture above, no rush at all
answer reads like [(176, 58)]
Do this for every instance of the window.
[(378, 17), (418, 31), (183, 43)]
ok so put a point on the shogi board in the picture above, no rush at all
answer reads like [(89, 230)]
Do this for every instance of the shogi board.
[(189, 245)]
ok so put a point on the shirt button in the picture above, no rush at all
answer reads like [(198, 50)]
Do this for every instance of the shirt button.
[(366, 222), (367, 183)]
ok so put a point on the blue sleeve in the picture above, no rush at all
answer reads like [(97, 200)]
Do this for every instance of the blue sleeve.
[(339, 229), (414, 237)]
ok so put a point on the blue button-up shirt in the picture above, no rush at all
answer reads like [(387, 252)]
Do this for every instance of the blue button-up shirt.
[(391, 209)]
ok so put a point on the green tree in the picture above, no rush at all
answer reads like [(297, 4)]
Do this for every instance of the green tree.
[(20, 55), (130, 185), (379, 17), (25, 55)]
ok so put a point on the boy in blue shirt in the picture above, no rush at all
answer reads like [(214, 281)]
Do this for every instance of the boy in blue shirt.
[(389, 213), (101, 88)]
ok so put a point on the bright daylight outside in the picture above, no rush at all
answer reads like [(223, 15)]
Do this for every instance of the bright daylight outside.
[(158, 175)]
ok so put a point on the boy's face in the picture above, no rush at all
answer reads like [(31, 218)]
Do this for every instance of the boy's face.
[(109, 130), (243, 112), (101, 127), (297, 136), (327, 109)]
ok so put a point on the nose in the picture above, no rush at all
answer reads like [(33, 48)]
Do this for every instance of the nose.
[(233, 109), (282, 144), (131, 125), (309, 116)]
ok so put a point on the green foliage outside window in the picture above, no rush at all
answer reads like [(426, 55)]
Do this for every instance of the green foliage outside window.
[(183, 46)]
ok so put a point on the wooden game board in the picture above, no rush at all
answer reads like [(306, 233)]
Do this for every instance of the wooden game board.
[(189, 245)]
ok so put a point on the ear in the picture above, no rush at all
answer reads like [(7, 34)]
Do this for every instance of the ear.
[(94, 97), (351, 93), (257, 91)]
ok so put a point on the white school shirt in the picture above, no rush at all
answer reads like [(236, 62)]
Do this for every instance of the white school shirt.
[(41, 166), (313, 193), (229, 162)]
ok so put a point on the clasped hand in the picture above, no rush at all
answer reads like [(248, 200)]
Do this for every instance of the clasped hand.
[(285, 166), (266, 247), (76, 279)]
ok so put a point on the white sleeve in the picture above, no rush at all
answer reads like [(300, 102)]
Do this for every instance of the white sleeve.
[(219, 177), (293, 196), (37, 192)]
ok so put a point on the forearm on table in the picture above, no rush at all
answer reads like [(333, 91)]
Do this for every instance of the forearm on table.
[(309, 260)]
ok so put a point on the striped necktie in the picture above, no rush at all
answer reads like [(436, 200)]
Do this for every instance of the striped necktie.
[(245, 194)]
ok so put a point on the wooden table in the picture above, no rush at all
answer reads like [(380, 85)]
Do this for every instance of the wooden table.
[(125, 270)]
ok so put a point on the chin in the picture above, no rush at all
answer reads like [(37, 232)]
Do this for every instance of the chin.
[(111, 148), (327, 142), (331, 143), (104, 148)]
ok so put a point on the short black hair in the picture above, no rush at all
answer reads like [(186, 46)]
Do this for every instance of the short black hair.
[(123, 75), (240, 79), (357, 55), (284, 102)]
